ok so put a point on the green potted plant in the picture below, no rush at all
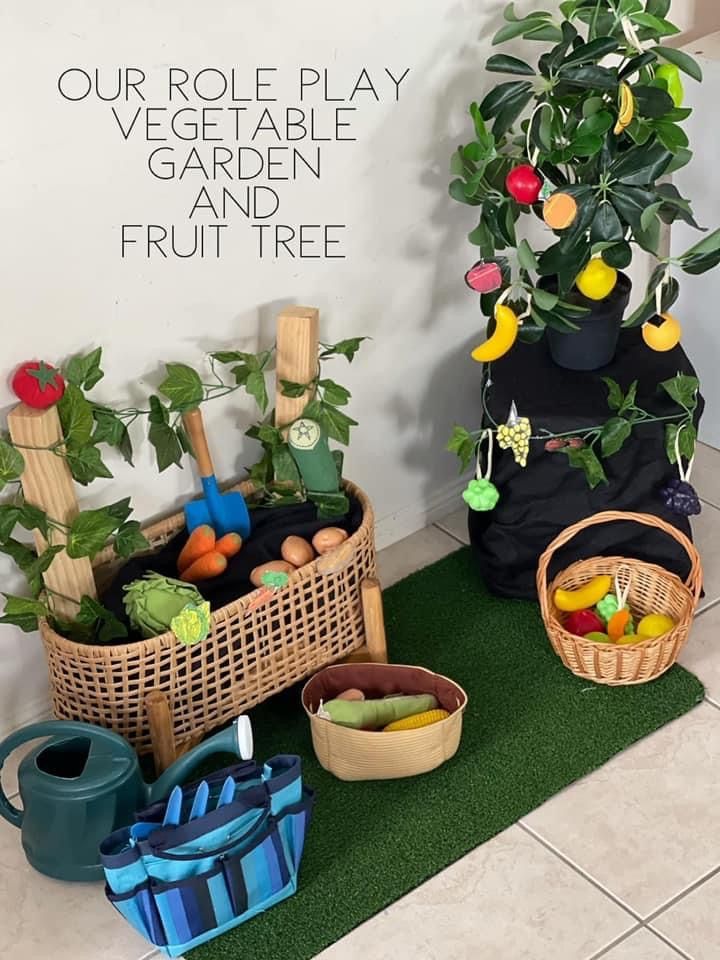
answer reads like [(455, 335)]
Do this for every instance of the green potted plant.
[(583, 138)]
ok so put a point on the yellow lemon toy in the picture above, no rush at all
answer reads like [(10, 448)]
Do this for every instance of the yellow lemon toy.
[(597, 280), (506, 331), (655, 625), (560, 211), (584, 597), (626, 110), (663, 336), (629, 638)]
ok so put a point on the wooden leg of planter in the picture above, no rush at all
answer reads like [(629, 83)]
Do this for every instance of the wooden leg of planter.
[(161, 730), (371, 595)]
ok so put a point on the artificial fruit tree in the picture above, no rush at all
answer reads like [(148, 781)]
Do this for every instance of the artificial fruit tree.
[(581, 141)]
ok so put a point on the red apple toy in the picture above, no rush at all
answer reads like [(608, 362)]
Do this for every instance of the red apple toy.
[(523, 184)]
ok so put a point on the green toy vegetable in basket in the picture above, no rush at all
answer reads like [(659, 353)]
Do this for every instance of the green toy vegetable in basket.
[(152, 602), (375, 714)]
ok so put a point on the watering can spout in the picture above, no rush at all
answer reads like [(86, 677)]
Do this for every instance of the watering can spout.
[(236, 739)]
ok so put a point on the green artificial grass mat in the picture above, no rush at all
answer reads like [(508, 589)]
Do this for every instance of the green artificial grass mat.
[(530, 729)]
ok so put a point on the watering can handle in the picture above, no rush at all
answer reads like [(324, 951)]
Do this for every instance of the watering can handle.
[(46, 728)]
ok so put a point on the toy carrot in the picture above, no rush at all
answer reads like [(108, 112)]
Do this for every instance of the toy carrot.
[(617, 623), (204, 568), (200, 542), (229, 545)]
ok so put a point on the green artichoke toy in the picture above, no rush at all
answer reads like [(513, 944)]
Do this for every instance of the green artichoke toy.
[(152, 602), (481, 495)]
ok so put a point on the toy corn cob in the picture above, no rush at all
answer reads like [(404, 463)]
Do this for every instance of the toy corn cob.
[(416, 721)]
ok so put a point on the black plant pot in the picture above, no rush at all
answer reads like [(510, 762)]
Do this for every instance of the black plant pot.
[(595, 343)]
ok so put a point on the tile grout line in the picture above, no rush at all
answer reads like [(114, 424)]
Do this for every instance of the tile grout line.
[(604, 951), (691, 888), (455, 537), (579, 870), (669, 943)]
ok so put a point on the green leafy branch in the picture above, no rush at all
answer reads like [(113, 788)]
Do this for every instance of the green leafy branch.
[(589, 446)]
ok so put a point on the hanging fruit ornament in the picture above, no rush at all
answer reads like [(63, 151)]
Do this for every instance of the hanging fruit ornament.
[(671, 75), (514, 435), (679, 495), (484, 277), (560, 211), (506, 331), (481, 494), (662, 333), (523, 184), (627, 109), (597, 280)]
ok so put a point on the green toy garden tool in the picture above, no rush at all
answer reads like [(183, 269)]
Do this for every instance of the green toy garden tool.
[(224, 512), (84, 782)]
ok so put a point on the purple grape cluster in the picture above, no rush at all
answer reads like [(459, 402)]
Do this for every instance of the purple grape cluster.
[(681, 497)]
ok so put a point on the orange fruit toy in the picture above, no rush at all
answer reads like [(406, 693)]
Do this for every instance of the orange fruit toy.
[(560, 211)]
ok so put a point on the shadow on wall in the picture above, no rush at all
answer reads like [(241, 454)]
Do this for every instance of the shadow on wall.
[(452, 390)]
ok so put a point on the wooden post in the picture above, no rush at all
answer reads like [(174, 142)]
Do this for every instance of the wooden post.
[(371, 596), (296, 358), (47, 483), (161, 730)]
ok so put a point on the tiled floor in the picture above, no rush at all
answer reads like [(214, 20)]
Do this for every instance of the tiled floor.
[(623, 865)]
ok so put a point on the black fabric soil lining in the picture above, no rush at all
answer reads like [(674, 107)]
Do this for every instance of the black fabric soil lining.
[(269, 528)]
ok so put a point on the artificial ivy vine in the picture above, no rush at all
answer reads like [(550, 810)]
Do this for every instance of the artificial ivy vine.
[(586, 448), (88, 425)]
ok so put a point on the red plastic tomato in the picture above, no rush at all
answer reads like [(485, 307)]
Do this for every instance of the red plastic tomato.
[(523, 184), (38, 384), (583, 622)]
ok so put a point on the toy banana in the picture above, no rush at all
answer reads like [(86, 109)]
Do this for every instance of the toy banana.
[(506, 331), (627, 109), (584, 597)]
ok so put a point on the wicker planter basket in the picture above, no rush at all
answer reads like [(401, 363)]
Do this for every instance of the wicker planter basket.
[(652, 590), (369, 755), (253, 651)]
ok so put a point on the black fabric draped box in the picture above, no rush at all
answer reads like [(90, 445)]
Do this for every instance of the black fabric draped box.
[(539, 501)]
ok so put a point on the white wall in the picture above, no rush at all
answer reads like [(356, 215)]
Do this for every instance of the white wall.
[(67, 180)]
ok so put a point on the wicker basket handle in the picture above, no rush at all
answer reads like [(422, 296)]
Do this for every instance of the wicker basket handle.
[(693, 582)]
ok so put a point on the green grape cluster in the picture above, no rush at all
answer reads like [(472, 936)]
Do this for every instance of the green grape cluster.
[(516, 437)]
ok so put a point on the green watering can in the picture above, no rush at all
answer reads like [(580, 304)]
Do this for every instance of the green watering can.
[(84, 782)]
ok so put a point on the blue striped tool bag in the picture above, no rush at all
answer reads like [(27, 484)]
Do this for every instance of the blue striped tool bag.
[(180, 885)]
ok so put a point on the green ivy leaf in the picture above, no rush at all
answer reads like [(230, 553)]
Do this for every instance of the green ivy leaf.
[(129, 539), (615, 394), (289, 388), (463, 445), (685, 441), (613, 435), (11, 463), (33, 518), (86, 465), (110, 429), (284, 467), (84, 371), (329, 505), (184, 440), (101, 621), (683, 390), (334, 393), (38, 567), (255, 386), (167, 446), (23, 556), (334, 422), (76, 416), (629, 400), (343, 348), (120, 510), (23, 612), (9, 514), (586, 460), (182, 386), (159, 413), (89, 532)]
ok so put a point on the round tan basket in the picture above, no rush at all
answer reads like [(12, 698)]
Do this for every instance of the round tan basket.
[(369, 755), (652, 590)]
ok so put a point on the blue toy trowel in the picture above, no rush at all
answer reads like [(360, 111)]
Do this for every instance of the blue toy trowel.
[(225, 512)]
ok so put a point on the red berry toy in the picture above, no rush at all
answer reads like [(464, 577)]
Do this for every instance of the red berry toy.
[(38, 385), (523, 184)]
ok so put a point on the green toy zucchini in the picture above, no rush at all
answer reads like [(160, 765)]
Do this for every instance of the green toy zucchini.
[(375, 714)]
